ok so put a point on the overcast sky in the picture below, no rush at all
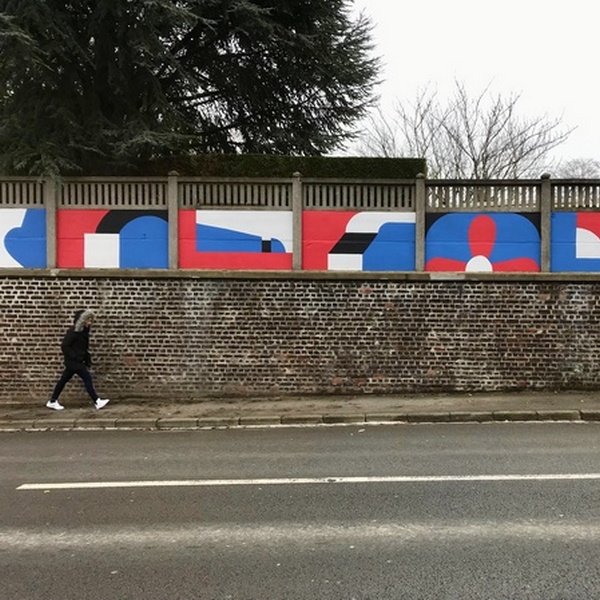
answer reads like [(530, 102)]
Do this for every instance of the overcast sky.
[(547, 51)]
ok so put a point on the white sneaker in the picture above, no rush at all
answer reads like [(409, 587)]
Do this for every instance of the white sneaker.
[(101, 403), (54, 405)]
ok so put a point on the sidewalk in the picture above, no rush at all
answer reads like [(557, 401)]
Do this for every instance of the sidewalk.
[(135, 413)]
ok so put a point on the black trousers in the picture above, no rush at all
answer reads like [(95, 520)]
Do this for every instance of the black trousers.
[(85, 376)]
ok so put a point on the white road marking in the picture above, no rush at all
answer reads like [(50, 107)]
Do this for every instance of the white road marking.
[(80, 485)]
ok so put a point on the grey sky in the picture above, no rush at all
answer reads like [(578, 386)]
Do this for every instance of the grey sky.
[(545, 50)]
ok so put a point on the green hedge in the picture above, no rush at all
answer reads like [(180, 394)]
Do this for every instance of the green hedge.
[(265, 165)]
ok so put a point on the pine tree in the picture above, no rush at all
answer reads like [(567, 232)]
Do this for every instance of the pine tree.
[(112, 82)]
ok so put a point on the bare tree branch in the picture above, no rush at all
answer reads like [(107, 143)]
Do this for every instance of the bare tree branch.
[(577, 168), (469, 136)]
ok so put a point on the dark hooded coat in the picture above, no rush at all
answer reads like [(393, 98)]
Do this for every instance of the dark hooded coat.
[(75, 344)]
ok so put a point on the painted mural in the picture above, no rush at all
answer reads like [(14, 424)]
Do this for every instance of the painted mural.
[(358, 241), (332, 240), (482, 242), (126, 239), (575, 242), (23, 237), (235, 239)]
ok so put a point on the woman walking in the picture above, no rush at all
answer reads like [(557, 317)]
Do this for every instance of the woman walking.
[(75, 349)]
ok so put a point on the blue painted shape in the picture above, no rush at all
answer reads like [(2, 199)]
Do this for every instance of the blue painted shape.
[(563, 248), (144, 244), (27, 244), (516, 237), (219, 239), (277, 246), (392, 249), (448, 238)]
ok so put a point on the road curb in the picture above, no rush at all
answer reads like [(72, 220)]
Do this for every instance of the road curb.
[(515, 415), (177, 423), (346, 418), (559, 415), (590, 415), (166, 423), (477, 416)]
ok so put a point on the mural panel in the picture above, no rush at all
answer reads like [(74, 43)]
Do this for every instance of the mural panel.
[(126, 239), (482, 242), (23, 237), (358, 241), (575, 242), (333, 240), (235, 239)]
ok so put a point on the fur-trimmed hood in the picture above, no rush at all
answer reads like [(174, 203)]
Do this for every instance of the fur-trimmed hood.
[(80, 317)]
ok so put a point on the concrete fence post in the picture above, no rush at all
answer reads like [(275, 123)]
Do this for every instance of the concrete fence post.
[(545, 221), (50, 190), (173, 219), (420, 210), (297, 221)]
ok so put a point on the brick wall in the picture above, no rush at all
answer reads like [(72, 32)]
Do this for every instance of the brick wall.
[(178, 335)]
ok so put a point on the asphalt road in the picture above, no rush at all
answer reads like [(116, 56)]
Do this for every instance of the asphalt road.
[(480, 511)]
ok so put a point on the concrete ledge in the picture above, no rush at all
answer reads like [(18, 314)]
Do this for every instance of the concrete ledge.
[(111, 273)]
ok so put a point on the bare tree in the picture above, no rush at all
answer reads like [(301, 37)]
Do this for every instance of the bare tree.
[(465, 136), (577, 168)]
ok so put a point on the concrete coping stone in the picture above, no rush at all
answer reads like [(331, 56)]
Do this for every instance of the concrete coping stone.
[(461, 276)]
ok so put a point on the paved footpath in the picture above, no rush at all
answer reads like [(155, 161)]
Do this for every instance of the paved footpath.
[(136, 413)]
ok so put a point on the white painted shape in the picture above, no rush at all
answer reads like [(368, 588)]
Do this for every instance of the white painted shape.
[(266, 224), (478, 264), (587, 244), (345, 262), (365, 222), (9, 219), (101, 250), (370, 222)]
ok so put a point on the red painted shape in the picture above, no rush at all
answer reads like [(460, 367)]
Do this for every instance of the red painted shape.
[(482, 236)]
